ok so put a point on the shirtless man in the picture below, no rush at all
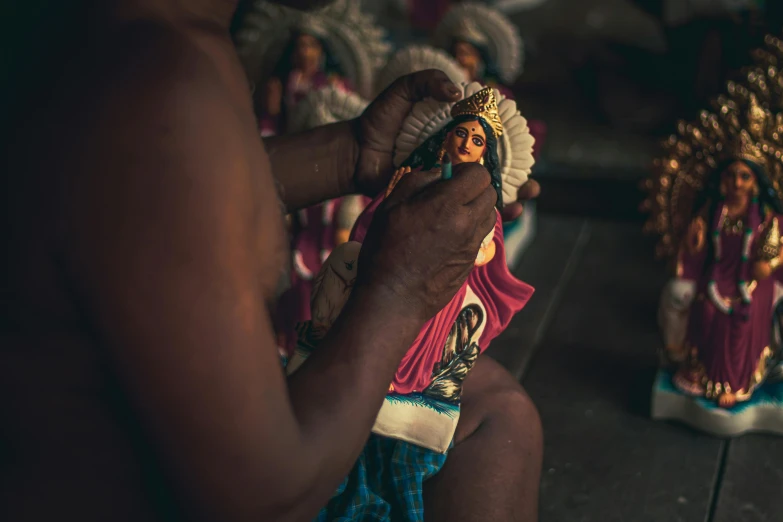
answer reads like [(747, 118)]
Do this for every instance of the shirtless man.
[(139, 377)]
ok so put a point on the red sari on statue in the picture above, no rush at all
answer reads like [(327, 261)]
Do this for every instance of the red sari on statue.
[(502, 295)]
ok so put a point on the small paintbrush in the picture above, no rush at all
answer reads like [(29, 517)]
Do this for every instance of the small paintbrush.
[(446, 167)]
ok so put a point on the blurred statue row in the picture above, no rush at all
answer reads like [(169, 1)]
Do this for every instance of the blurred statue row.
[(322, 67), (716, 200)]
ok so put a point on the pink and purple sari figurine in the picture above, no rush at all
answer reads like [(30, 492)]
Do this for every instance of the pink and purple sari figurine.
[(415, 426), (305, 66), (301, 55), (715, 198)]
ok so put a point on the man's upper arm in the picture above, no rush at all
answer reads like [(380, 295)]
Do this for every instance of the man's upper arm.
[(166, 242)]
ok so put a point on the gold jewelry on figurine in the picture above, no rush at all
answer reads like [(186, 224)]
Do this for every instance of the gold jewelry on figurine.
[(769, 244), (745, 123), (484, 105)]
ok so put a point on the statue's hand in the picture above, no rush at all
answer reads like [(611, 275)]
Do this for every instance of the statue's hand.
[(530, 190), (697, 232), (398, 174), (376, 130)]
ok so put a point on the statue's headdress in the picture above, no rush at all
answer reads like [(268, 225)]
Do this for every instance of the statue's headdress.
[(514, 141), (482, 104), (746, 123)]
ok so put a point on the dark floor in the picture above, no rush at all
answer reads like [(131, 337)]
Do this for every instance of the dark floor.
[(585, 349)]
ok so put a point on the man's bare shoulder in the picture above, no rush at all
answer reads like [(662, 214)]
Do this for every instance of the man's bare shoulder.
[(154, 65), (162, 128), (156, 54), (158, 91)]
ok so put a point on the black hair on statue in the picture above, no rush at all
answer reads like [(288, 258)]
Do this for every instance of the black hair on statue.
[(426, 154)]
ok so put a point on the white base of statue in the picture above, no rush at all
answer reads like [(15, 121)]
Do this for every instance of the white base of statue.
[(762, 413), (519, 235)]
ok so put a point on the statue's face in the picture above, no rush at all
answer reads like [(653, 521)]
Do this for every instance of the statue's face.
[(737, 181), (468, 57), (466, 143), (307, 52)]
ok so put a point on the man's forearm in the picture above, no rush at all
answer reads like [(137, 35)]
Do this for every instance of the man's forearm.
[(338, 391), (315, 165)]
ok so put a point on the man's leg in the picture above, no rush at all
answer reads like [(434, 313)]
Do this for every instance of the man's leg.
[(494, 468)]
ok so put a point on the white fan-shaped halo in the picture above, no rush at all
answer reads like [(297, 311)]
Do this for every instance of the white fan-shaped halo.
[(328, 105), (357, 43), (415, 58), (515, 146)]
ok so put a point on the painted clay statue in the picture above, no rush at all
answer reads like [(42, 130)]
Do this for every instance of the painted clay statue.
[(421, 411), (716, 200), (300, 52), (315, 231), (487, 45)]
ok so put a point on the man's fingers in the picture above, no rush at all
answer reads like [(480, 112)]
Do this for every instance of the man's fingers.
[(432, 83), (411, 184), (392, 106), (485, 201), (488, 223), (468, 181), (530, 190)]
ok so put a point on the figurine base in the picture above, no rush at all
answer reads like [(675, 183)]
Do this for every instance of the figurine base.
[(763, 412), (518, 234)]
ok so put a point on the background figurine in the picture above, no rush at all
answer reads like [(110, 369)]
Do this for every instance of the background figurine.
[(487, 45), (322, 66), (716, 200), (317, 230), (301, 52), (484, 42), (420, 413)]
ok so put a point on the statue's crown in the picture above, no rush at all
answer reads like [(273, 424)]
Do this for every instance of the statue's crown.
[(749, 141), (747, 149), (482, 104)]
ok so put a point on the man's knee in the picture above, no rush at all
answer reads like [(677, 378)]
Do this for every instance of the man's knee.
[(514, 414), (492, 394), (499, 407)]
